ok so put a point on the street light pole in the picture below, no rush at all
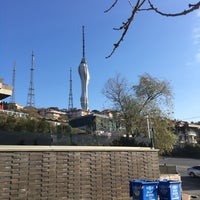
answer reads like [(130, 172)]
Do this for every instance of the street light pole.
[(148, 127), (150, 132)]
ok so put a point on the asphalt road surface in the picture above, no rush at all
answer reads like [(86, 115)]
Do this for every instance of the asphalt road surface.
[(190, 185)]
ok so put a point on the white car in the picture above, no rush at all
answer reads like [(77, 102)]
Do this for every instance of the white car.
[(194, 171)]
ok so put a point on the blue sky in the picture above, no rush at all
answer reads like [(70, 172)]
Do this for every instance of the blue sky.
[(165, 48)]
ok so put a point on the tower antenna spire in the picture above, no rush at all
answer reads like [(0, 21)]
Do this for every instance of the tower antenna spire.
[(31, 95), (70, 105), (83, 33)]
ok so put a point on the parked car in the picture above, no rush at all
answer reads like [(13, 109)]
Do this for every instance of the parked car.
[(194, 171)]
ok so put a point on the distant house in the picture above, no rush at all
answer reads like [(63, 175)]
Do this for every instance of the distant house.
[(51, 113), (186, 134), (108, 112), (15, 106), (74, 113)]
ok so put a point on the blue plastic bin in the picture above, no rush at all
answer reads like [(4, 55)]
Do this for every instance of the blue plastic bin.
[(143, 190), (169, 190)]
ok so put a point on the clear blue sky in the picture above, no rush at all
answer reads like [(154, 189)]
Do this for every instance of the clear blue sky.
[(165, 48)]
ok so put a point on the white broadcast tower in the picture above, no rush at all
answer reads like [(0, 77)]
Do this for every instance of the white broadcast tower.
[(85, 77)]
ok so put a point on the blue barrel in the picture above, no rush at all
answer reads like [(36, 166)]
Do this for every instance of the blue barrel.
[(169, 190), (143, 190)]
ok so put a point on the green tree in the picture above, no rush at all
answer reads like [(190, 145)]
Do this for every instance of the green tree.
[(118, 92), (20, 125), (43, 126), (3, 119), (147, 103), (63, 129), (31, 125), (163, 134), (10, 123)]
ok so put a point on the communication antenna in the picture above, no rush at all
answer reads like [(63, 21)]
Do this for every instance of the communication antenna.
[(31, 96), (70, 105), (13, 84)]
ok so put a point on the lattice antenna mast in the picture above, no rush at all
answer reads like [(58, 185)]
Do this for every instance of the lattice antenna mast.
[(13, 84), (31, 96), (70, 105)]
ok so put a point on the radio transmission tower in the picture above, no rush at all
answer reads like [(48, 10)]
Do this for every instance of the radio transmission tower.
[(31, 96), (70, 105), (13, 84)]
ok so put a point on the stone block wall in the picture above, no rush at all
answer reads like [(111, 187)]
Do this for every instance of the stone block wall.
[(76, 172)]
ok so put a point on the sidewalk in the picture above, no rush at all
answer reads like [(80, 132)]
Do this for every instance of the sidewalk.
[(185, 196)]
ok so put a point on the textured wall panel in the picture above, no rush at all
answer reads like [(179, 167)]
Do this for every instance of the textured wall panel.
[(73, 173)]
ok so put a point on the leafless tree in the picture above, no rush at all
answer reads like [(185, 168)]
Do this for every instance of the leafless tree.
[(145, 5)]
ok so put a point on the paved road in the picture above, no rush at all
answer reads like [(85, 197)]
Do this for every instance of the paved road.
[(189, 185)]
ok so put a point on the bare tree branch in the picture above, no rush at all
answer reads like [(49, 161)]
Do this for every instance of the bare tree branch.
[(138, 7), (125, 26), (112, 6), (192, 7), (130, 3)]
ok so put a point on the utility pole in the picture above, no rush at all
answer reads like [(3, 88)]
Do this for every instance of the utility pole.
[(148, 127), (31, 95), (70, 105), (150, 132)]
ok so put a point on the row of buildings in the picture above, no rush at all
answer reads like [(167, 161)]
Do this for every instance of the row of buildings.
[(101, 123), (104, 123)]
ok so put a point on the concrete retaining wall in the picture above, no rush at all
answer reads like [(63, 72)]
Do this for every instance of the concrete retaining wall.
[(49, 172), (169, 172)]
